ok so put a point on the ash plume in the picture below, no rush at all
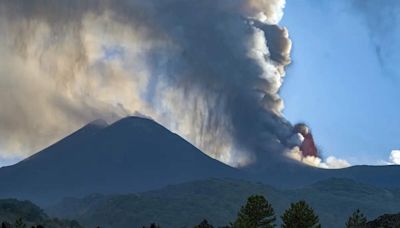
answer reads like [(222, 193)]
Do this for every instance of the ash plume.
[(209, 70)]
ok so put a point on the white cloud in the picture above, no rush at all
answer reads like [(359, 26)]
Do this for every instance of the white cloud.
[(330, 162), (394, 158)]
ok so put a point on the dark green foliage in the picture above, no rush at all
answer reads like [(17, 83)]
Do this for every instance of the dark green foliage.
[(19, 223), (300, 215), (204, 224), (24, 214), (51, 223), (12, 210), (385, 221), (356, 220), (61, 223), (257, 213), (185, 205)]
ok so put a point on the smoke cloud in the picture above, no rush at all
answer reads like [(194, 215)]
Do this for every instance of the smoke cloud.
[(330, 162), (209, 70), (305, 151), (394, 158)]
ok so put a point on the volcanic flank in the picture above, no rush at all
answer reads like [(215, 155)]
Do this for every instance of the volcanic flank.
[(137, 154), (131, 155)]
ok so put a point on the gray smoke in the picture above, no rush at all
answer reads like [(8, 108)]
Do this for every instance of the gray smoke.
[(209, 70)]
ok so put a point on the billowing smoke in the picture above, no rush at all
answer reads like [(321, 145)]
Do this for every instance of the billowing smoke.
[(394, 158), (209, 70), (305, 150)]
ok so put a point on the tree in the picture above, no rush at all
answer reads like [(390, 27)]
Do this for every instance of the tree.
[(153, 225), (204, 224), (19, 223), (356, 220), (257, 213), (300, 215), (5, 225)]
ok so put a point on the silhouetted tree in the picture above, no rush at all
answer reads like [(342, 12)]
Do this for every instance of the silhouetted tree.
[(19, 223), (300, 215), (5, 225), (257, 213), (356, 220), (204, 224), (153, 225)]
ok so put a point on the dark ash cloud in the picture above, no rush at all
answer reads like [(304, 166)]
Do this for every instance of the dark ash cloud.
[(209, 70)]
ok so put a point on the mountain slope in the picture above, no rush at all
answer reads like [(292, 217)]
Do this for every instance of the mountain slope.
[(219, 200), (133, 154), (137, 154), (12, 210), (292, 175), (386, 220)]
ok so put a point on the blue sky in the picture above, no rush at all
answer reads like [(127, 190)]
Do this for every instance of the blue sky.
[(336, 83)]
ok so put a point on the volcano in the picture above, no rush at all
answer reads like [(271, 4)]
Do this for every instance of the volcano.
[(136, 154), (133, 154)]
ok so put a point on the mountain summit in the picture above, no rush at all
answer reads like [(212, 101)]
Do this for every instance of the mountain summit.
[(136, 154), (133, 154)]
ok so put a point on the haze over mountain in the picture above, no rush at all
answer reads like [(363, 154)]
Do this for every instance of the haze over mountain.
[(137, 154), (219, 200), (133, 154)]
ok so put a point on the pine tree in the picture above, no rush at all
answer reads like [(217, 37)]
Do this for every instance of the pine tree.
[(356, 220), (204, 224), (257, 213), (300, 215), (153, 225), (5, 225), (19, 223)]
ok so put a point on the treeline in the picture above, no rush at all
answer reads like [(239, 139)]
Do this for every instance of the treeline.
[(256, 213), (50, 223), (259, 213), (25, 214)]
